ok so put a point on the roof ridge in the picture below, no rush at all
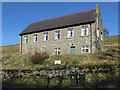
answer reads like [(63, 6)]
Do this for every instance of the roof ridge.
[(64, 16)]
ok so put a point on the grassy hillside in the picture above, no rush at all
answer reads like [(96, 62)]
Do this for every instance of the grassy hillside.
[(12, 59), (10, 49), (111, 40)]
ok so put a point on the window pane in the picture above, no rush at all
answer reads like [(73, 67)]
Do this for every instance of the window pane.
[(58, 52), (86, 27), (55, 52), (83, 27), (68, 33), (58, 32), (26, 40), (87, 46), (87, 51), (83, 46), (58, 36), (71, 29), (83, 50), (71, 33), (36, 39), (46, 37), (55, 31), (85, 32)]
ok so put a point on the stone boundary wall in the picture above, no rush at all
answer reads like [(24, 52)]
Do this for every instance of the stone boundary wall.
[(54, 73)]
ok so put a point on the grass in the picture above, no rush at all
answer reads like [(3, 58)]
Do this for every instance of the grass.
[(111, 40), (10, 49), (12, 59), (75, 61)]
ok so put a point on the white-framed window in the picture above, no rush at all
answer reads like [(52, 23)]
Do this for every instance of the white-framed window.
[(35, 36), (57, 50), (85, 49), (45, 36), (70, 33), (57, 34), (97, 32), (84, 30), (26, 39)]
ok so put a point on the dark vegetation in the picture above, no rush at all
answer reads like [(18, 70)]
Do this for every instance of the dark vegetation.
[(38, 58)]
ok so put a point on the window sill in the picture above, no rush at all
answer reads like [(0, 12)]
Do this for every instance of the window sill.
[(57, 39), (35, 42), (70, 37), (45, 40), (86, 52), (85, 36)]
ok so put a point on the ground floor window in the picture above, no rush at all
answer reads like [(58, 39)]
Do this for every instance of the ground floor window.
[(85, 49), (57, 50)]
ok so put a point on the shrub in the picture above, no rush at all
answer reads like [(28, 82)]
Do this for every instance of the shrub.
[(101, 57), (75, 62), (39, 57)]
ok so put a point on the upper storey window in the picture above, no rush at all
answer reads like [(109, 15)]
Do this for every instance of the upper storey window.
[(26, 39), (45, 36), (84, 30), (35, 37), (57, 34), (70, 33), (97, 32)]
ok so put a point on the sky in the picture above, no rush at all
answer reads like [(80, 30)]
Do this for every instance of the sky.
[(16, 16)]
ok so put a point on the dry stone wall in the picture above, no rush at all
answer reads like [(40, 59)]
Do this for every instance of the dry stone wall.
[(55, 73)]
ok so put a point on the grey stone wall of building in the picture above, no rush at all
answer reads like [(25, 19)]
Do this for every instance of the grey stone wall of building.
[(64, 43)]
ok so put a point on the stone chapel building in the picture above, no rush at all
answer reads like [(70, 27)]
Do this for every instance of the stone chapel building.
[(76, 33)]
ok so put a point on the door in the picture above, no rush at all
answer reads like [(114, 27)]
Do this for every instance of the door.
[(72, 49)]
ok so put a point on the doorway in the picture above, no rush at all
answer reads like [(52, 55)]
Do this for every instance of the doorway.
[(72, 49)]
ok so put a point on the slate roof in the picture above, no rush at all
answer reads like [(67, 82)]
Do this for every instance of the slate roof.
[(58, 22)]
